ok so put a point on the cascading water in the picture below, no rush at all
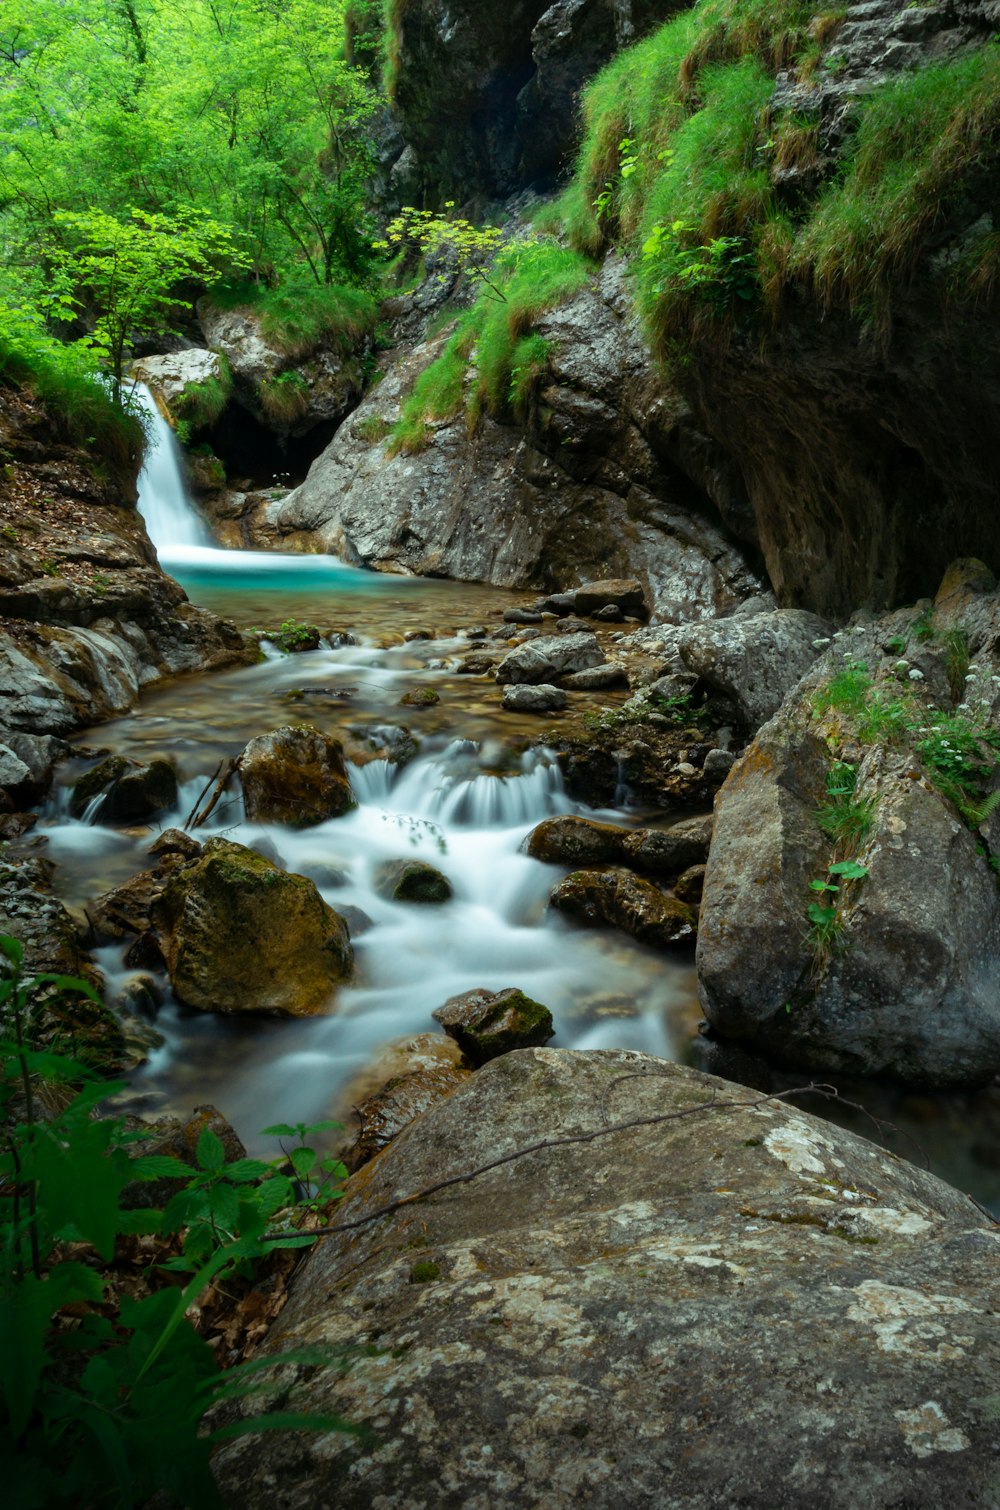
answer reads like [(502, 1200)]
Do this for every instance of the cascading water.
[(164, 502)]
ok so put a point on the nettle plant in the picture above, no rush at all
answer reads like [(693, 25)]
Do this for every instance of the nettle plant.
[(103, 1393)]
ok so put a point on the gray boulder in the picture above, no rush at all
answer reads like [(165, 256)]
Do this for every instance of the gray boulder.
[(550, 657), (527, 699), (739, 1306), (486, 1024), (754, 662)]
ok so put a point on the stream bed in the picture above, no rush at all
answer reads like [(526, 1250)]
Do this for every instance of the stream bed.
[(465, 802)]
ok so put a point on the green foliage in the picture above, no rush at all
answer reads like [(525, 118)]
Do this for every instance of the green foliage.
[(65, 378), (199, 405), (467, 248), (960, 754), (129, 273), (285, 397), (826, 924), (294, 635), (107, 1412), (847, 692), (507, 357), (844, 818)]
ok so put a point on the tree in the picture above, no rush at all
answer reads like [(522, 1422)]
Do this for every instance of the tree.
[(127, 273), (470, 248)]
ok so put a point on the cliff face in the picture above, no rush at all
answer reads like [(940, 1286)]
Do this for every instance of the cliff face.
[(591, 485), (842, 426), (486, 97), (86, 615)]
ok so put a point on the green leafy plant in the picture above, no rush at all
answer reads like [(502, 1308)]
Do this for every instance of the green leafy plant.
[(293, 636), (825, 921), (844, 818), (103, 1397), (471, 249)]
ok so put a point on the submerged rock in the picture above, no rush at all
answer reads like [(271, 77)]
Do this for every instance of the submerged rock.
[(486, 1024), (738, 1306), (240, 935), (294, 775), (618, 899), (412, 881)]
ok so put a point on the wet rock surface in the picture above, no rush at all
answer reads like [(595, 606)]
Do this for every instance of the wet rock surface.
[(240, 935), (804, 1318), (616, 898), (486, 1024), (412, 881), (575, 841), (294, 775), (900, 976)]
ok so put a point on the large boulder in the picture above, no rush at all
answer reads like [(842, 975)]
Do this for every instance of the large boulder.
[(754, 661), (294, 775), (412, 881), (240, 935), (289, 392), (895, 972), (725, 1303), (131, 791)]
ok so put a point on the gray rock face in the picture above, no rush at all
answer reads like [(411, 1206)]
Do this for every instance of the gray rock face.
[(528, 699), (736, 1307), (754, 661), (905, 982), (288, 395), (550, 657), (586, 495), (170, 374)]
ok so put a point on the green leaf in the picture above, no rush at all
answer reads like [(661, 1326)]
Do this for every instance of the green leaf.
[(849, 869), (157, 1166), (822, 886), (303, 1161), (210, 1152), (285, 1420), (78, 1185), (819, 914), (279, 1130), (242, 1171)]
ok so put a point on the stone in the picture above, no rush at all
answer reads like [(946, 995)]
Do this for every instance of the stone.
[(627, 596), (548, 658), (718, 764), (905, 986), (412, 881), (521, 616), (411, 1077), (690, 885), (294, 775), (529, 699), (582, 842), (131, 791), (168, 375), (597, 678), (486, 1024), (754, 661), (742, 1305), (16, 782), (240, 935), (559, 603), (618, 899)]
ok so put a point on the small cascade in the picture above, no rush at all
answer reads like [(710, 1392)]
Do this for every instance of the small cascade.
[(164, 501)]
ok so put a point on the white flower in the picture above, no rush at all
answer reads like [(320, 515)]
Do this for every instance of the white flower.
[(818, 644), (915, 675), (964, 708), (970, 678), (901, 665)]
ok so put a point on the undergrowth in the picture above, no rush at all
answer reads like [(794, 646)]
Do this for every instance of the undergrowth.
[(495, 361), (65, 379)]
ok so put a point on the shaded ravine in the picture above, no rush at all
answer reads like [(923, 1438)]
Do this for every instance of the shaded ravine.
[(465, 802)]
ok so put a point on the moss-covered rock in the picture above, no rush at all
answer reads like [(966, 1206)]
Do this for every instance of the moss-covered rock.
[(412, 881), (618, 899), (294, 775), (240, 935), (486, 1024)]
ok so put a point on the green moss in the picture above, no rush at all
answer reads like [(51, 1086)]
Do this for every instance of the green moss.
[(284, 398), (199, 405), (425, 1272), (296, 318), (508, 358)]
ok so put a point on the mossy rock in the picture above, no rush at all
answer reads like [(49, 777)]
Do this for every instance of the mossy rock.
[(486, 1024), (240, 935), (412, 881), (618, 899), (131, 791)]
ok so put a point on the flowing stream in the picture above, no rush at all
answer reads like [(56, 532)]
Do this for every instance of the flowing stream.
[(465, 802)]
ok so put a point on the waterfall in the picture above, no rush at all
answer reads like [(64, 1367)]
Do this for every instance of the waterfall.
[(164, 501)]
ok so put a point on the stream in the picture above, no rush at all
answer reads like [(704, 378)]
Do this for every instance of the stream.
[(465, 802)]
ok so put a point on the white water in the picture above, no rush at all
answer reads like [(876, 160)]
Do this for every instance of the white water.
[(447, 807)]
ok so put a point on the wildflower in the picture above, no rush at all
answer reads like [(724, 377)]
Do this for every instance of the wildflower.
[(818, 644), (915, 675)]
